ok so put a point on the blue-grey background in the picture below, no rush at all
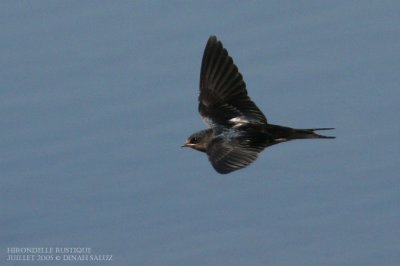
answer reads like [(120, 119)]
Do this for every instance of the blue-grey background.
[(96, 98)]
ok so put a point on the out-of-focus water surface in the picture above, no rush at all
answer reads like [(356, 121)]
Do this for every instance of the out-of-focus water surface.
[(96, 98)]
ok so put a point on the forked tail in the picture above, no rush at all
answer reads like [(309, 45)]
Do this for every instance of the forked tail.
[(310, 134), (280, 133)]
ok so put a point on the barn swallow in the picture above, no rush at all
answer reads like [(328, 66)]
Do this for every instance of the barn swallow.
[(237, 130)]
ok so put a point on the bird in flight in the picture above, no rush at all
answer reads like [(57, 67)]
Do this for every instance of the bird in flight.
[(237, 130)]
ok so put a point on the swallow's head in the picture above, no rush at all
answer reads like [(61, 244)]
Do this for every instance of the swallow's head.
[(199, 140)]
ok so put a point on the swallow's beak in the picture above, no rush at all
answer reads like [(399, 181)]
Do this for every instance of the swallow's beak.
[(187, 144)]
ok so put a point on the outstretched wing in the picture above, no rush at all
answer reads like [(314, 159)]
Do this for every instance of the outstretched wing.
[(223, 96), (230, 154)]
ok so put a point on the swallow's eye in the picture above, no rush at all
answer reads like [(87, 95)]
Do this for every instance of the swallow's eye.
[(194, 140)]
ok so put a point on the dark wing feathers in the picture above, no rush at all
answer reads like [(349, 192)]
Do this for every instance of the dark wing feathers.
[(223, 93), (230, 154)]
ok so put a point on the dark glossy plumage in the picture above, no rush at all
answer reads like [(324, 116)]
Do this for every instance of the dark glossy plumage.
[(223, 93), (238, 130)]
